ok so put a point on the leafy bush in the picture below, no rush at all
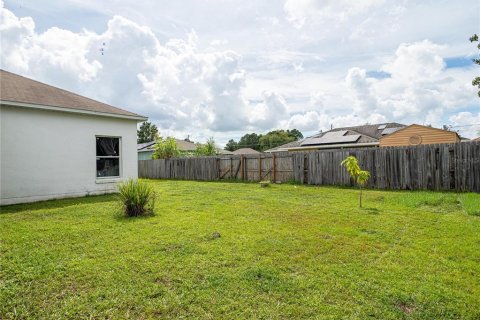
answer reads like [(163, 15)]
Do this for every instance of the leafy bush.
[(137, 198), (207, 149), (165, 149)]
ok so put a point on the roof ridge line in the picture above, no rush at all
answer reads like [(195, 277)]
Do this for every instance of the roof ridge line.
[(67, 91)]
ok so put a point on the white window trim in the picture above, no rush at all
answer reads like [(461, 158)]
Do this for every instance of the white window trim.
[(111, 179)]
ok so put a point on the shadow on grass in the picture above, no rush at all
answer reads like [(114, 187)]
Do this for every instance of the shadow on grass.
[(122, 217), (370, 210), (57, 204)]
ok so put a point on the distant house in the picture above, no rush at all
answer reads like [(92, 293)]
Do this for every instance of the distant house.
[(58, 144), (145, 150), (477, 139), (245, 151), (224, 152), (416, 134), (346, 137)]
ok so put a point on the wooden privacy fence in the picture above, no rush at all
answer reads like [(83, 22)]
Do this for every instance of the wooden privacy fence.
[(427, 167)]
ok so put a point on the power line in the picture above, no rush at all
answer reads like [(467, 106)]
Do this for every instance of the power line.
[(466, 125)]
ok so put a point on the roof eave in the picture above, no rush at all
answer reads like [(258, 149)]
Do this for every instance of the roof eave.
[(335, 146), (138, 118), (276, 150)]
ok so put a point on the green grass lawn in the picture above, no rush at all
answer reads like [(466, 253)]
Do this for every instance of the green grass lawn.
[(285, 252)]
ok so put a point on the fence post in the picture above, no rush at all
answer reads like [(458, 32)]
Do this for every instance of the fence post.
[(305, 169), (242, 167), (260, 168), (273, 169), (245, 168)]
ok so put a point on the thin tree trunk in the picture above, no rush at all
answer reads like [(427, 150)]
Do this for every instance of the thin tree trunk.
[(361, 196)]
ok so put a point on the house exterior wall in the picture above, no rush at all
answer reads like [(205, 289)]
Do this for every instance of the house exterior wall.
[(418, 135), (50, 154)]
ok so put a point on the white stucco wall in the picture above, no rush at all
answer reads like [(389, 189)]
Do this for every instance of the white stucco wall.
[(50, 154)]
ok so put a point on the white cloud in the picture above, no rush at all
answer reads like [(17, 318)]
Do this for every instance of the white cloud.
[(15, 35), (357, 81), (300, 11), (175, 84), (417, 61), (270, 111), (467, 123), (419, 88), (178, 86), (308, 121), (250, 69), (360, 18)]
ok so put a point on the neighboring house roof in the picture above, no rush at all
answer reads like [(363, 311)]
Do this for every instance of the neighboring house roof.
[(286, 146), (364, 135), (477, 139), (186, 145), (414, 125), (181, 144), (224, 152), (145, 146), (375, 131), (415, 134), (20, 91), (245, 151)]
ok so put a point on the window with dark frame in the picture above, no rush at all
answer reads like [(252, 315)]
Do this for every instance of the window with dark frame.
[(108, 157)]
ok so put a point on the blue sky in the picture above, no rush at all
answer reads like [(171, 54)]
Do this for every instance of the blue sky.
[(225, 68)]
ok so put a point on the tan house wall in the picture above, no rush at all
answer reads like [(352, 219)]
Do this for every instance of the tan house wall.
[(417, 135)]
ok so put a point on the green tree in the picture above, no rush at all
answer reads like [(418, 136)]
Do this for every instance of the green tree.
[(148, 132), (295, 133), (207, 149), (274, 139), (476, 80), (231, 145), (165, 149), (359, 176), (250, 140), (261, 142)]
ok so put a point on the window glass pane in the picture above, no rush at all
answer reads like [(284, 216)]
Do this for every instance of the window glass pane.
[(109, 167), (107, 146)]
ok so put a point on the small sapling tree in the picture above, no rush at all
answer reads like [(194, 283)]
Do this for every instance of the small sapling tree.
[(359, 176)]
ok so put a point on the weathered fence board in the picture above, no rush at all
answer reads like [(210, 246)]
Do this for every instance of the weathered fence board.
[(427, 167)]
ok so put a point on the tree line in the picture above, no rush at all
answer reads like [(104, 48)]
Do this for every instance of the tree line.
[(149, 132), (166, 148), (262, 142)]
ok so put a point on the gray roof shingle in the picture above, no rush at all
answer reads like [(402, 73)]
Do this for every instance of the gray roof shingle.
[(245, 151)]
